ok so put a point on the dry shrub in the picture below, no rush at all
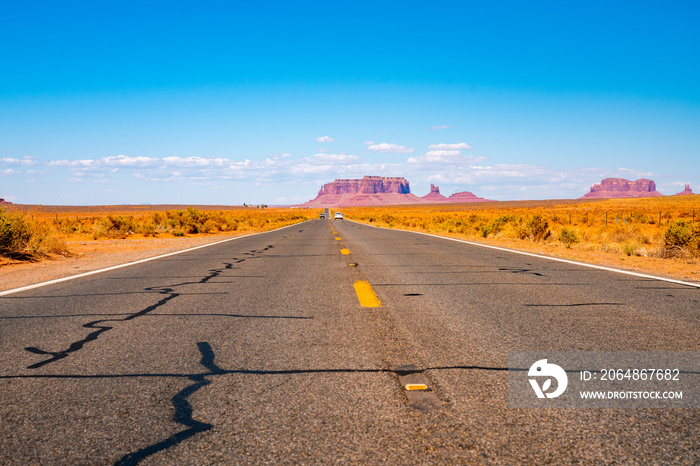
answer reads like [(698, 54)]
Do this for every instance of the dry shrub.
[(537, 228), (682, 239), (26, 237), (496, 226), (568, 237), (630, 249), (15, 232)]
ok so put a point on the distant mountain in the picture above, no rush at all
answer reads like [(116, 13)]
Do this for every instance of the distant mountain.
[(466, 196), (619, 187), (370, 190), (379, 190), (685, 192), (434, 195), (3, 201)]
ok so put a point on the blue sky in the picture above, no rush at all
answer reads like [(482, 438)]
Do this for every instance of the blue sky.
[(263, 102)]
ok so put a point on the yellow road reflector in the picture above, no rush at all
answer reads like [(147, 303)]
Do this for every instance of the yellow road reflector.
[(415, 386), (338, 238), (366, 295), (345, 251), (354, 264)]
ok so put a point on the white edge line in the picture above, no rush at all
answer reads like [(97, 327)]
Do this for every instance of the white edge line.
[(556, 259), (141, 261)]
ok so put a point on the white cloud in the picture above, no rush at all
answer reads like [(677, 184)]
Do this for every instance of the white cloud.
[(458, 146), (283, 155), (368, 143), (438, 153), (450, 168), (185, 162), (445, 157), (508, 181), (199, 170), (386, 148), (25, 161), (325, 139), (441, 127), (142, 162), (71, 163), (331, 158), (124, 161)]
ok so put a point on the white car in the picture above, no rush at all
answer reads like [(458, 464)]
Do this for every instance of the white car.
[(338, 215)]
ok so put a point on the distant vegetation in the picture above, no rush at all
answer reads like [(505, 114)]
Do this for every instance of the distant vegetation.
[(30, 235), (24, 237), (667, 227)]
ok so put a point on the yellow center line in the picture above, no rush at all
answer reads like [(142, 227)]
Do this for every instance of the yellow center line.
[(366, 295), (338, 238), (415, 386), (345, 251)]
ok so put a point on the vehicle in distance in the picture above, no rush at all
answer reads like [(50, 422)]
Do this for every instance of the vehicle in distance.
[(338, 215), (322, 215)]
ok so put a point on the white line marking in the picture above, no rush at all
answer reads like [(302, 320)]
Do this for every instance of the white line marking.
[(556, 259), (128, 264)]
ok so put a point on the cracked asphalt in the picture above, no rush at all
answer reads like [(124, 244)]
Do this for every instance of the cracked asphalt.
[(257, 350)]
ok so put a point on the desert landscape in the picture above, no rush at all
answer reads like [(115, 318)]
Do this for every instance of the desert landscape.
[(633, 227), (657, 235), (350, 233)]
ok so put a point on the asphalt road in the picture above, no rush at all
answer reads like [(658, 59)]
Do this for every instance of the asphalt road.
[(258, 350)]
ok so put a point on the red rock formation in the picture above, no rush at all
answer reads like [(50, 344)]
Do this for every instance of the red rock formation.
[(434, 195), (378, 190), (685, 192), (619, 187), (3, 201), (367, 185), (370, 190), (466, 196)]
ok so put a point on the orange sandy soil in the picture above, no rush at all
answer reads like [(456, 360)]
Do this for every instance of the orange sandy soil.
[(92, 255)]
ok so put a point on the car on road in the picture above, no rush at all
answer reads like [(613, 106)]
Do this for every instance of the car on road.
[(322, 216), (338, 215)]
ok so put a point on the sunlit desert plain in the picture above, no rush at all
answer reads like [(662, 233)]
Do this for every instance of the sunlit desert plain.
[(655, 235), (35, 232)]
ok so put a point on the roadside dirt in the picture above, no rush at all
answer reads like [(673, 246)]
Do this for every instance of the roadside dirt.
[(677, 269), (92, 255)]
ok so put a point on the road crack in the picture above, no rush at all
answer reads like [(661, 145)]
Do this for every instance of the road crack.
[(104, 325), (183, 411)]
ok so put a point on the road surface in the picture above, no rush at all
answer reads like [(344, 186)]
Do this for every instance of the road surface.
[(260, 350)]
